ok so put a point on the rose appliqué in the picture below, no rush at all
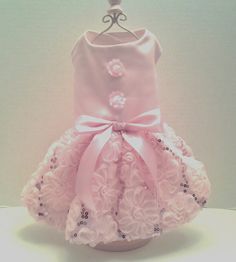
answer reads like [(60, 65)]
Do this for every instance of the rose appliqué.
[(138, 212), (117, 99), (115, 67), (198, 180), (105, 186), (180, 209)]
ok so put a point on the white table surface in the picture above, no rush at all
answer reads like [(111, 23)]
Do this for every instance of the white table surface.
[(211, 235)]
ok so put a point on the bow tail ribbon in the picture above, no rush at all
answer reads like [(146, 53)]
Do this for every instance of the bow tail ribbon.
[(87, 167)]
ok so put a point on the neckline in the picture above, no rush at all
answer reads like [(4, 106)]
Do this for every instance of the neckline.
[(117, 34)]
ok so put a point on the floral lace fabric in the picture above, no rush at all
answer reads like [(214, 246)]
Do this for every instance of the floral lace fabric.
[(126, 206)]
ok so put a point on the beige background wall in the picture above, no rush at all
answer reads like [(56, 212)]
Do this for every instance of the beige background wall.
[(196, 70)]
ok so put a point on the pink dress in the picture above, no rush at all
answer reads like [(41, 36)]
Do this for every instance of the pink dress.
[(120, 172)]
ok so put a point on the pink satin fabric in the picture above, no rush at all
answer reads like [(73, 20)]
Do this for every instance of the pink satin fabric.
[(93, 84), (130, 131)]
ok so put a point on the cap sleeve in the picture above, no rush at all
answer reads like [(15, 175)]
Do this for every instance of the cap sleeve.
[(157, 49)]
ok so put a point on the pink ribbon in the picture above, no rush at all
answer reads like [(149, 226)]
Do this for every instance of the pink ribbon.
[(103, 128)]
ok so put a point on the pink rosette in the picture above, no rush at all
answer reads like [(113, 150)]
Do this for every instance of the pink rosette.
[(117, 99), (115, 68)]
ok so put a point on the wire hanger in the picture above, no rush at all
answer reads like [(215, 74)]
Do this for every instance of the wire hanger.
[(115, 13)]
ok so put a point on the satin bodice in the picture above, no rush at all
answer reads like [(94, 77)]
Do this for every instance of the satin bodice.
[(115, 76)]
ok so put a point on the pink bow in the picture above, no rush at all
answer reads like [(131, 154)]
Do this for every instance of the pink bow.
[(103, 129)]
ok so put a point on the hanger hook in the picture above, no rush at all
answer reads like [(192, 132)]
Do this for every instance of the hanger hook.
[(115, 14)]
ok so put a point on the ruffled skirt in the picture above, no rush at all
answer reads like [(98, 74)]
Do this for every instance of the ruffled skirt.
[(126, 207)]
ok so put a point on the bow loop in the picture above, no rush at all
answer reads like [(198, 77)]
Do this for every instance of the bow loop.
[(149, 120), (91, 124)]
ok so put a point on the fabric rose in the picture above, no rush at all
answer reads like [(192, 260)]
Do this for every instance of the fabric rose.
[(112, 150), (100, 226), (29, 196), (132, 170), (33, 195), (117, 99), (169, 169), (79, 234), (176, 140), (58, 152), (131, 175), (86, 236), (57, 189), (105, 186), (128, 157), (180, 209), (167, 190), (106, 227), (197, 177), (115, 68), (138, 212)]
